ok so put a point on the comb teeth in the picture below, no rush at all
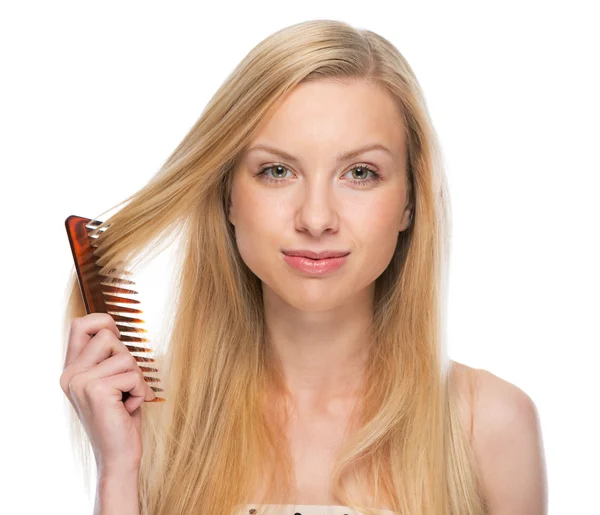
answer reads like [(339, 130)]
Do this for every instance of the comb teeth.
[(122, 318), (122, 309), (106, 288), (131, 329), (124, 300), (112, 280), (107, 292)]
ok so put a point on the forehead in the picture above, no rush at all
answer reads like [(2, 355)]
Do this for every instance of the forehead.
[(333, 115)]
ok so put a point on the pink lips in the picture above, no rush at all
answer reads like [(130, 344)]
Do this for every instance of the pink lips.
[(322, 263)]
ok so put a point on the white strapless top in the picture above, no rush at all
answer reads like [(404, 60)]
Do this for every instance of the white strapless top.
[(302, 509)]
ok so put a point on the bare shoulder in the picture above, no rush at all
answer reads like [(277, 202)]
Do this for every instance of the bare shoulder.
[(507, 439)]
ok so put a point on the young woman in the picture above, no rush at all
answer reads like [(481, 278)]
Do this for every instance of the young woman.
[(306, 371)]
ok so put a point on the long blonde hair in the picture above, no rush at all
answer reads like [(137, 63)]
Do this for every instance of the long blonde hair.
[(206, 447)]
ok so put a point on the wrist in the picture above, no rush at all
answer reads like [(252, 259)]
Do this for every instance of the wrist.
[(117, 492), (115, 469)]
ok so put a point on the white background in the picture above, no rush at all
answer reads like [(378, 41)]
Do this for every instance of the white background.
[(96, 95)]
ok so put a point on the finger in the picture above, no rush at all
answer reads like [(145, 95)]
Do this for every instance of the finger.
[(83, 329), (133, 403), (100, 347), (120, 363), (130, 382)]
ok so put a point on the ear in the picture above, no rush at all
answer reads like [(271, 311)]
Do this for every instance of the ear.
[(230, 214), (406, 218)]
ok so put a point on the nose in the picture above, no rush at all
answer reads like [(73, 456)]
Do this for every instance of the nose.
[(318, 208)]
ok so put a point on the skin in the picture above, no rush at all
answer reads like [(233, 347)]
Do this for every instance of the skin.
[(317, 324)]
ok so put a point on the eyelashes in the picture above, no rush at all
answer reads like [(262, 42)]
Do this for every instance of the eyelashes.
[(375, 175)]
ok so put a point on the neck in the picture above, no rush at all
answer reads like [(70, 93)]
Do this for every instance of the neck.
[(322, 354)]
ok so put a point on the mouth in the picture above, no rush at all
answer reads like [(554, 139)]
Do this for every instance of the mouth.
[(327, 262), (326, 254)]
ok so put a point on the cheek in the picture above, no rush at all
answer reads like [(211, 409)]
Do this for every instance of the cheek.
[(259, 227), (377, 232), (378, 246)]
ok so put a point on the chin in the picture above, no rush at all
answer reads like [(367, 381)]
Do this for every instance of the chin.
[(315, 307), (315, 300)]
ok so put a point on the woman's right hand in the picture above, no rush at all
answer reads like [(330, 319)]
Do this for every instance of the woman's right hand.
[(98, 370)]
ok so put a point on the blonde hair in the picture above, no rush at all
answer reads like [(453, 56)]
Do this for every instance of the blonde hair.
[(209, 444)]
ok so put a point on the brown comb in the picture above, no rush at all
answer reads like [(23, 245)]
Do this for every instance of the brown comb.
[(104, 293)]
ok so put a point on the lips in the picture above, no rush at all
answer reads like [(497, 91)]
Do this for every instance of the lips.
[(316, 255), (316, 267)]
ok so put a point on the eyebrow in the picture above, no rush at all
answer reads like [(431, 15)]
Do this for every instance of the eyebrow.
[(344, 156)]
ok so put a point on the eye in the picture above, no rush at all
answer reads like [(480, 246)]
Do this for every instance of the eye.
[(279, 171), (365, 170), (268, 173)]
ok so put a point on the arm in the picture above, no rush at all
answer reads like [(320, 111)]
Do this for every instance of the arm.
[(117, 494), (509, 448)]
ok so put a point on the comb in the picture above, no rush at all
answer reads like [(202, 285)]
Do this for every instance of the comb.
[(109, 294)]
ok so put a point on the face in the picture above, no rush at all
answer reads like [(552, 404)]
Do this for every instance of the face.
[(300, 196)]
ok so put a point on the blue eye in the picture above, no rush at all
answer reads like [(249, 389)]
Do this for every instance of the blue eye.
[(280, 169)]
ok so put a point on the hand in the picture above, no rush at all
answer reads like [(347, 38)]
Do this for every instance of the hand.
[(98, 370)]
